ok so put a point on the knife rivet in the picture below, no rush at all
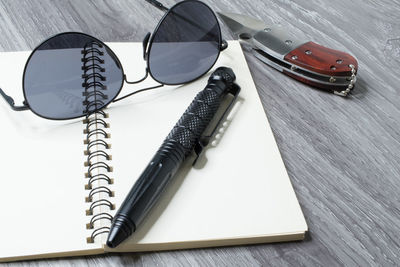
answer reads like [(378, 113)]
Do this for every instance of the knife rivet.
[(332, 80), (339, 61), (267, 29), (294, 57), (293, 67), (308, 52), (288, 42), (333, 68)]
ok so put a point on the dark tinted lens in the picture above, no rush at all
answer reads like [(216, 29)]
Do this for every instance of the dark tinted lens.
[(186, 44), (70, 75)]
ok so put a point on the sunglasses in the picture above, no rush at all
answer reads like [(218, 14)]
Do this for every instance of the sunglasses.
[(72, 75)]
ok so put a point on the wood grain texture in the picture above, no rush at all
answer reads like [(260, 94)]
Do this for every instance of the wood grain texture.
[(342, 154), (320, 59)]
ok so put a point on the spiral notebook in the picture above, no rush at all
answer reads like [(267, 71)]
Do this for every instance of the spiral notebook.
[(62, 181)]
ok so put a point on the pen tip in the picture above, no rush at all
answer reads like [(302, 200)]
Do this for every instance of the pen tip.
[(116, 237), (110, 244)]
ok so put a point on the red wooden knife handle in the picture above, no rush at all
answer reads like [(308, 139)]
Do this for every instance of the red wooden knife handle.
[(323, 60)]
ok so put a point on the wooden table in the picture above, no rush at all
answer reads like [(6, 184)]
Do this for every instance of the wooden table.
[(342, 154)]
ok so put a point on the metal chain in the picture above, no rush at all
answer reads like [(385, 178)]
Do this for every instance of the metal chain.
[(353, 80)]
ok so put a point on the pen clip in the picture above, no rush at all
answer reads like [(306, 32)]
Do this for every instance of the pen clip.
[(205, 139)]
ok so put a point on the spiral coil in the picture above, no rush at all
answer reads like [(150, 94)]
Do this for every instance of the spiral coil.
[(93, 76), (96, 142)]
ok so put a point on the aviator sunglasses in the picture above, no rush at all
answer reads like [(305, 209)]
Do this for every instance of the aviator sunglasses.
[(72, 74)]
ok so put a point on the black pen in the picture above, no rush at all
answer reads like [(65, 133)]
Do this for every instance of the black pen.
[(184, 137)]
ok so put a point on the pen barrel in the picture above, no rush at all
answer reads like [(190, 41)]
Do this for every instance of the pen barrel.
[(176, 147)]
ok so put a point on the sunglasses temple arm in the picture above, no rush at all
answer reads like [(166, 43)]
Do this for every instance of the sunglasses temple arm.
[(157, 5), (11, 102)]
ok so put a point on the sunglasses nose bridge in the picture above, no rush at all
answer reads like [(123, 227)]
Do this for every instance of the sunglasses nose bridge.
[(145, 44)]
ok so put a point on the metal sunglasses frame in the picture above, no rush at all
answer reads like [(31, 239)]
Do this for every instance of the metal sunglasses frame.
[(147, 44)]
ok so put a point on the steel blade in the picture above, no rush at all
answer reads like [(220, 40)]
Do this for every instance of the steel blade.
[(242, 26)]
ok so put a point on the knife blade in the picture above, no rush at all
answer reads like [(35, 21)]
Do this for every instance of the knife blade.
[(303, 60)]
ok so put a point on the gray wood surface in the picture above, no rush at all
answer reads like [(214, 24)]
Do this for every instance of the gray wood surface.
[(342, 154)]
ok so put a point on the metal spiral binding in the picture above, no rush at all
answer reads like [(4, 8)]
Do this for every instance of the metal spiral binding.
[(96, 152)]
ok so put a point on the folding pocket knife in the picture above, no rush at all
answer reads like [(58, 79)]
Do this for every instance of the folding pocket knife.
[(306, 61)]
